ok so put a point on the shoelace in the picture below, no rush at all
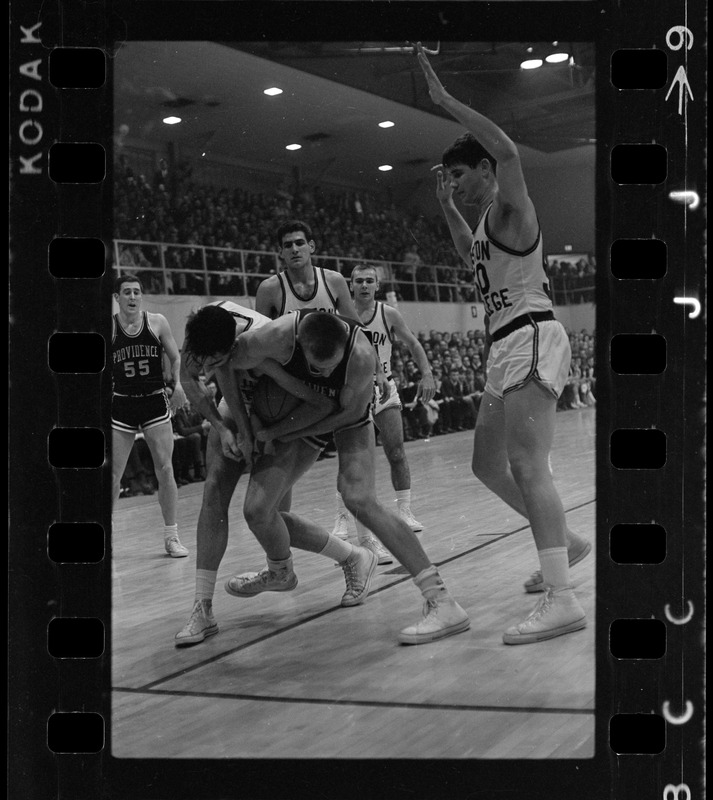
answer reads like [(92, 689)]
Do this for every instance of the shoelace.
[(543, 605), (428, 606), (195, 615), (351, 577)]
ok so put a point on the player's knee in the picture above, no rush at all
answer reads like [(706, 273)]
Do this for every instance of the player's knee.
[(395, 455), (256, 514), (356, 502), (164, 471), (524, 468)]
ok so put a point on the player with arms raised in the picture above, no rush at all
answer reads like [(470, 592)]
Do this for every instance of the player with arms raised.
[(529, 355)]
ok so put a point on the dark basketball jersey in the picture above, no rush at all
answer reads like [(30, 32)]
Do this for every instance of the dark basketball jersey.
[(298, 367), (137, 359)]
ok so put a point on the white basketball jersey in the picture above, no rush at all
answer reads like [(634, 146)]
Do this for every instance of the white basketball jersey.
[(321, 298), (246, 319), (379, 332), (511, 283)]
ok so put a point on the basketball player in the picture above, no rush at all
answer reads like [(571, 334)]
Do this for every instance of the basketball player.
[(302, 285), (529, 354), (139, 402), (231, 451), (382, 324), (331, 355)]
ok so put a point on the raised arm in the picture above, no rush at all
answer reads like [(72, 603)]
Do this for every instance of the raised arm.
[(460, 230), (513, 194)]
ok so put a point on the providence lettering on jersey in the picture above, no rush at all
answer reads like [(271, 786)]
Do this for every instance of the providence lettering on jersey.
[(511, 282), (137, 359)]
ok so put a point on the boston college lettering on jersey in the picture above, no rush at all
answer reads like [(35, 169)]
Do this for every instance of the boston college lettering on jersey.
[(321, 298), (379, 332), (511, 282)]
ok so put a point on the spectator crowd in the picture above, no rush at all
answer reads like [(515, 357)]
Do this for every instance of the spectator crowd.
[(186, 216)]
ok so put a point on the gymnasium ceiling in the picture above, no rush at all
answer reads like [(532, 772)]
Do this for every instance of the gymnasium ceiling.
[(336, 93)]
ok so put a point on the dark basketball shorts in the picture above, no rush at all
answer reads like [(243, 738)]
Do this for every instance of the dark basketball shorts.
[(135, 414)]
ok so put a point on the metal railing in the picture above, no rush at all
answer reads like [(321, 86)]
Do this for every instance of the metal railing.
[(167, 268)]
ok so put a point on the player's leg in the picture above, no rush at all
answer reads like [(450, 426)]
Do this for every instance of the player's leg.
[(529, 431), (211, 538), (357, 562), (442, 615), (121, 444), (491, 465), (390, 427), (341, 519), (272, 477), (159, 438)]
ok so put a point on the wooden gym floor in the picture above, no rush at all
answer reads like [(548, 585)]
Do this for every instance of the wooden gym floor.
[(296, 676)]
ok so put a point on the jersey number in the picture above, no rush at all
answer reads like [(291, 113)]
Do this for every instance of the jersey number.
[(130, 368), (481, 276)]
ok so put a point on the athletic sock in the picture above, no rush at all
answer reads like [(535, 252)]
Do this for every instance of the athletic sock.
[(205, 584), (275, 565), (170, 530), (431, 584), (403, 498), (555, 566), (337, 549)]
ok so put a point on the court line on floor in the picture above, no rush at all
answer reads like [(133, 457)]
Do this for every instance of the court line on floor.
[(331, 609), (367, 703)]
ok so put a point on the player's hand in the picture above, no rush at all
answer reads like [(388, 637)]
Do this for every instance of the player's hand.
[(426, 388), (178, 398), (435, 88), (383, 387), (230, 445), (444, 190)]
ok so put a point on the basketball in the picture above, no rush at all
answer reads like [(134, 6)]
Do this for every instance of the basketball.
[(271, 403)]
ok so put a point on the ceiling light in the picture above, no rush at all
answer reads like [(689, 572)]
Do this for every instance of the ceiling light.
[(293, 147), (273, 91), (385, 167), (386, 124), (172, 120), (531, 63), (555, 58)]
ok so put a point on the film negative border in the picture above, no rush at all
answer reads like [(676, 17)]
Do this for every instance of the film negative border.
[(60, 297), (655, 475)]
